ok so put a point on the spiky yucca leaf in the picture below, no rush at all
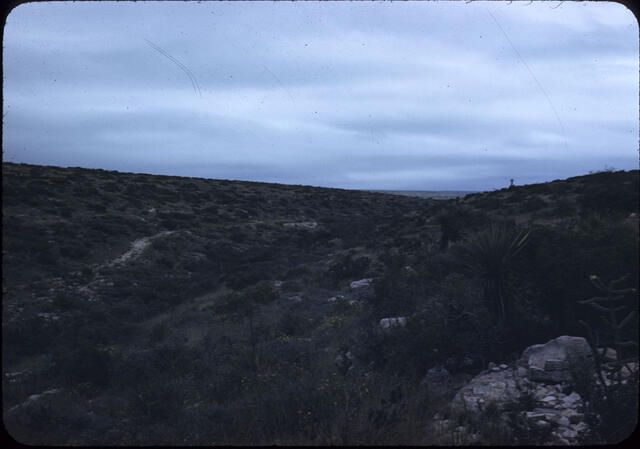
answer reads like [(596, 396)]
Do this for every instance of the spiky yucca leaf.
[(491, 252), (493, 249)]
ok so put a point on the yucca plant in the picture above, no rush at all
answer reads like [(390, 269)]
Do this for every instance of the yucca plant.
[(491, 252)]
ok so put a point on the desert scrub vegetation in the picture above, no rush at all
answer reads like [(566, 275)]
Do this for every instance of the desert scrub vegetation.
[(348, 267), (223, 333)]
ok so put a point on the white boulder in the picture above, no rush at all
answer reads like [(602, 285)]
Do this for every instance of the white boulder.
[(557, 359), (608, 354), (302, 225), (387, 323), (362, 283)]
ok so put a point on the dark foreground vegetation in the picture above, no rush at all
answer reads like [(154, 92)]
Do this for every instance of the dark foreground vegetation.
[(164, 310)]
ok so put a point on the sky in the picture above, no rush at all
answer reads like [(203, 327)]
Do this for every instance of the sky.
[(356, 95)]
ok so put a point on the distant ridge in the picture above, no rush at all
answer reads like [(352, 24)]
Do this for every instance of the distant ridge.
[(434, 194)]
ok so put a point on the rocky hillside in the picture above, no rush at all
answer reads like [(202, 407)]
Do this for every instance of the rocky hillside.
[(143, 309)]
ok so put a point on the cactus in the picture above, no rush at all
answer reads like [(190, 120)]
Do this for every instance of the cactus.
[(611, 305), (616, 403)]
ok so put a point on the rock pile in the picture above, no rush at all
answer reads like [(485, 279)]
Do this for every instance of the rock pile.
[(559, 412), (539, 389)]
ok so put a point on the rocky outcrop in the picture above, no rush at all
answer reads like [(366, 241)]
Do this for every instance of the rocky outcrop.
[(538, 392), (496, 387), (34, 398)]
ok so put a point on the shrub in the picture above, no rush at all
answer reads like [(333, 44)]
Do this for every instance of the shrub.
[(68, 301), (160, 400), (28, 336), (76, 252), (456, 220), (600, 197), (66, 212), (533, 203), (348, 267), (262, 293), (297, 272), (86, 363), (159, 332), (294, 322)]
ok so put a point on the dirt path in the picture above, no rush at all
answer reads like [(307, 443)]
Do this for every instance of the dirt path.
[(136, 248)]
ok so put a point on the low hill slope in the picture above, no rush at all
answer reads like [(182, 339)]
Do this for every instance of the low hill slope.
[(148, 309)]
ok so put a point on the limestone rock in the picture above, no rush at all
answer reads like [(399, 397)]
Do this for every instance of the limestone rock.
[(362, 283), (498, 387), (608, 354), (554, 361), (387, 323), (302, 225), (295, 298), (626, 372), (534, 386), (35, 398)]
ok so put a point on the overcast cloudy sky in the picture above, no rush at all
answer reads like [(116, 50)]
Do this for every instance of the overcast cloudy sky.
[(364, 95)]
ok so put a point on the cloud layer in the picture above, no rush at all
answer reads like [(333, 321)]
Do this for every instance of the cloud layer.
[(380, 95)]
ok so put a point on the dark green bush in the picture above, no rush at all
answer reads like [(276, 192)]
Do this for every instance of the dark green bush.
[(159, 332), (348, 267), (454, 220), (76, 252), (533, 203), (30, 336), (84, 363)]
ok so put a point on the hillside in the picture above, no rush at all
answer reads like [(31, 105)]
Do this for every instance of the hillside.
[(148, 309), (435, 194)]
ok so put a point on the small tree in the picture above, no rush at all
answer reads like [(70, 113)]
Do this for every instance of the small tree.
[(244, 306), (618, 400), (611, 304)]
